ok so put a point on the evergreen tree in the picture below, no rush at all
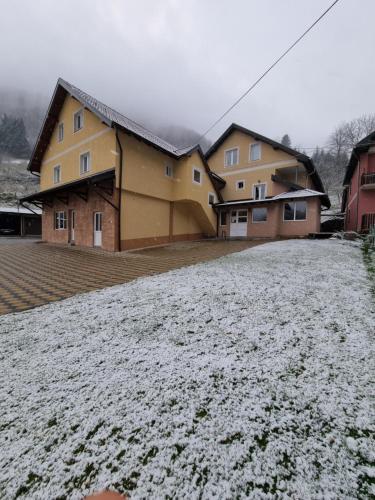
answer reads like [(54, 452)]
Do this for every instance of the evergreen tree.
[(13, 140), (285, 141)]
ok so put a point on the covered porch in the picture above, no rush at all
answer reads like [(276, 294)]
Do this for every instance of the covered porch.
[(84, 212)]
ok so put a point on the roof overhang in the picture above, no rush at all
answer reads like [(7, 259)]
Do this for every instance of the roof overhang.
[(292, 195), (95, 180)]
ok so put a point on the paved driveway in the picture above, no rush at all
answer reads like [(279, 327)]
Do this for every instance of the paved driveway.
[(34, 273)]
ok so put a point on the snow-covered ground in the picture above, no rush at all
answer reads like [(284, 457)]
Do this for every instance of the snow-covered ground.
[(248, 376)]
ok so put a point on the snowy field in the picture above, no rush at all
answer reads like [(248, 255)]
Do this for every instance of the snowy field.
[(248, 376)]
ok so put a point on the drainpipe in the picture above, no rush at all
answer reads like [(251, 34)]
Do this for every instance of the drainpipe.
[(120, 192), (358, 186)]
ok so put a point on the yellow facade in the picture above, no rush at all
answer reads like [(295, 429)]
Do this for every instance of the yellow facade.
[(95, 137), (177, 202), (155, 207), (251, 172)]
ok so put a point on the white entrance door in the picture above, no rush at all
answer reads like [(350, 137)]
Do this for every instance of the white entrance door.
[(238, 223), (98, 222), (72, 226)]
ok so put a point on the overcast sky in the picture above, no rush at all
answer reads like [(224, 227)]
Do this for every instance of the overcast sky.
[(185, 61)]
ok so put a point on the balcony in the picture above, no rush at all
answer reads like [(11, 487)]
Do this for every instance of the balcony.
[(368, 221), (368, 181)]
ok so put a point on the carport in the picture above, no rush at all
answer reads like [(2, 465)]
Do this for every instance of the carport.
[(20, 221)]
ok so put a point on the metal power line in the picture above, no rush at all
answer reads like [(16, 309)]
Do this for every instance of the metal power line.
[(265, 73)]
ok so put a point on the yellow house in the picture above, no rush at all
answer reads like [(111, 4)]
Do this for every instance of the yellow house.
[(270, 190), (108, 182)]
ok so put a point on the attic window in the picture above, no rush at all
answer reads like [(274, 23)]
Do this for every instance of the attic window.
[(230, 157), (78, 120), (197, 176), (169, 170), (60, 132), (255, 151)]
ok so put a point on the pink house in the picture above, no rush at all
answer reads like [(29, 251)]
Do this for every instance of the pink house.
[(358, 201)]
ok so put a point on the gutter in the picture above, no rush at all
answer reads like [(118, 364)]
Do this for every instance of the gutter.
[(120, 192)]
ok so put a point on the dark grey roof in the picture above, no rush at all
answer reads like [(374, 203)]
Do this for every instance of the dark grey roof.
[(106, 114), (111, 117)]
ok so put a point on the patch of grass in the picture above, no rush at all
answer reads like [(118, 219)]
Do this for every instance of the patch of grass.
[(202, 413), (52, 422), (179, 449), (152, 452), (262, 440), (94, 430), (120, 455), (231, 439), (79, 449), (32, 478)]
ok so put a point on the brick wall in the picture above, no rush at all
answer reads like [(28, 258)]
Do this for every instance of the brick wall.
[(84, 221)]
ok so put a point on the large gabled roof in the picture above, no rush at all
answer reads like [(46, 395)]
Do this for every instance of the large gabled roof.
[(307, 162), (106, 114), (361, 147)]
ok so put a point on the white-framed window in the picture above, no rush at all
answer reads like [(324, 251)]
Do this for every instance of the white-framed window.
[(78, 120), (238, 216), (168, 170), (197, 176), (255, 151), (84, 163), (57, 174), (60, 132), (259, 214), (223, 218), (295, 210), (211, 198), (259, 191), (240, 185), (231, 157), (61, 221)]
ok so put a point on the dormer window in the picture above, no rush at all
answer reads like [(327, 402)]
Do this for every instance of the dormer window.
[(255, 152), (78, 120), (231, 157), (60, 132)]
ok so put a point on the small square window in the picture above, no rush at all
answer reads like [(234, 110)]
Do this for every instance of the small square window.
[(259, 214), (57, 174), (84, 163), (78, 120), (211, 198), (240, 185), (169, 170), (223, 218), (231, 157), (60, 132), (197, 176), (255, 152)]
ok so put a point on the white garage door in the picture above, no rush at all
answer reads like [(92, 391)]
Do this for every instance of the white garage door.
[(238, 223)]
